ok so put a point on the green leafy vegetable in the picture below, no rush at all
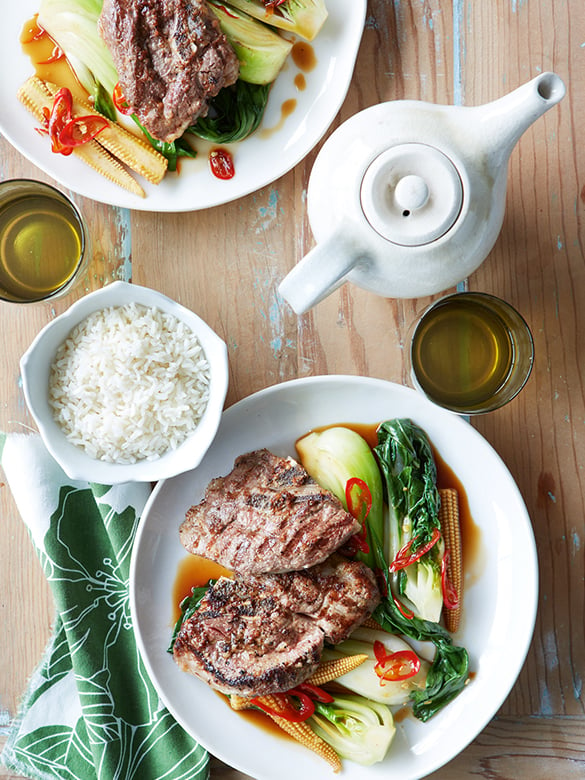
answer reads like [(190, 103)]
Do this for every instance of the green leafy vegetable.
[(259, 49), (336, 455), (172, 150), (102, 102), (355, 727), (188, 607), (303, 17), (234, 114), (450, 668), (415, 548)]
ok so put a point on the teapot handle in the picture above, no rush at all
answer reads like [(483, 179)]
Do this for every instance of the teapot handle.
[(321, 271)]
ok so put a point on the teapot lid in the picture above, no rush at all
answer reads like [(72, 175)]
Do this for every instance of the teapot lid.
[(411, 194)]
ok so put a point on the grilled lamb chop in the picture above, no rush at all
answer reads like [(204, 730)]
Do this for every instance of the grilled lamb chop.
[(267, 515), (264, 634), (171, 58)]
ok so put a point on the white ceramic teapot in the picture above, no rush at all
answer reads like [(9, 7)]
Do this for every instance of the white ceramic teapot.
[(407, 198)]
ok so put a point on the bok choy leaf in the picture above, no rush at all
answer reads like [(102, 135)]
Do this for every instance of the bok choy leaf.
[(233, 114), (188, 607), (415, 548)]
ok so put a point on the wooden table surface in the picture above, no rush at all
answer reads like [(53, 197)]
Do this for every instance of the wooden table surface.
[(226, 264)]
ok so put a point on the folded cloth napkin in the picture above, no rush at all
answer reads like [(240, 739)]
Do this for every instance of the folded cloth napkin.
[(90, 710)]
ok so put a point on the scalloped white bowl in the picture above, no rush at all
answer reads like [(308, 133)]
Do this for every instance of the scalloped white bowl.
[(35, 366)]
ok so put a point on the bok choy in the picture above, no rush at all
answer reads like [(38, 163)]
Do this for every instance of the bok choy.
[(260, 51), (73, 25), (303, 17), (450, 668), (364, 679), (336, 457), (355, 727), (405, 459), (233, 114), (415, 548)]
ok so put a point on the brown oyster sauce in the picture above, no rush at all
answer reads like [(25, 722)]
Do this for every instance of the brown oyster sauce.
[(39, 47), (303, 56)]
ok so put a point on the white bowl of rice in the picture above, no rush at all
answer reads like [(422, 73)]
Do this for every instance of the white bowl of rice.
[(126, 386)]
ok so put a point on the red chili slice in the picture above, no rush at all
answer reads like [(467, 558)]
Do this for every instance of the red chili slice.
[(227, 13), (60, 116), (221, 163), (120, 101), (358, 496), (450, 597), (289, 711), (82, 129), (359, 503), (404, 611), (315, 692), (397, 666), (65, 131), (379, 651), (405, 557)]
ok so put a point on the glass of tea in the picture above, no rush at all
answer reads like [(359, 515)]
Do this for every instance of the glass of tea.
[(43, 241), (470, 352)]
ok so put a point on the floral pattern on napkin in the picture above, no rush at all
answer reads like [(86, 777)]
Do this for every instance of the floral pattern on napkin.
[(90, 710)]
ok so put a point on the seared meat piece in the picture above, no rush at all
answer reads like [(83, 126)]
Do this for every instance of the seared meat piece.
[(267, 515), (264, 634), (171, 58)]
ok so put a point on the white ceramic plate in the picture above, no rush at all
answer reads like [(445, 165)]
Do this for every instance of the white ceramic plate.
[(500, 602), (259, 160)]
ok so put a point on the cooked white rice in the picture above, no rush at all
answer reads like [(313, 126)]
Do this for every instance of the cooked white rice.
[(129, 383)]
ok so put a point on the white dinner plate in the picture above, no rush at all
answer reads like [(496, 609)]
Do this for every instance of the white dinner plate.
[(259, 160), (500, 596)]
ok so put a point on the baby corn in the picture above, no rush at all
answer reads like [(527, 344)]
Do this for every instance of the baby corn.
[(106, 153), (301, 732), (331, 670), (371, 623), (128, 148), (239, 703), (449, 519), (304, 734)]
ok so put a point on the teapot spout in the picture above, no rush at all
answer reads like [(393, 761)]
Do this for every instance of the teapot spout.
[(503, 121)]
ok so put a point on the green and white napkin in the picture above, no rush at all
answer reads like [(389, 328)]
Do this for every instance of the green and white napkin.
[(90, 710)]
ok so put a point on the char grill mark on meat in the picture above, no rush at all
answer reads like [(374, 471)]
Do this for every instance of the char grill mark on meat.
[(240, 641), (267, 515), (265, 634), (171, 58)]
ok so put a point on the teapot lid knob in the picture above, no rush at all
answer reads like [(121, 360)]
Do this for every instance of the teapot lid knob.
[(411, 194)]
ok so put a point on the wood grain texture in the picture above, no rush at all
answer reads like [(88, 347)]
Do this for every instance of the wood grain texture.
[(537, 264), (226, 264)]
